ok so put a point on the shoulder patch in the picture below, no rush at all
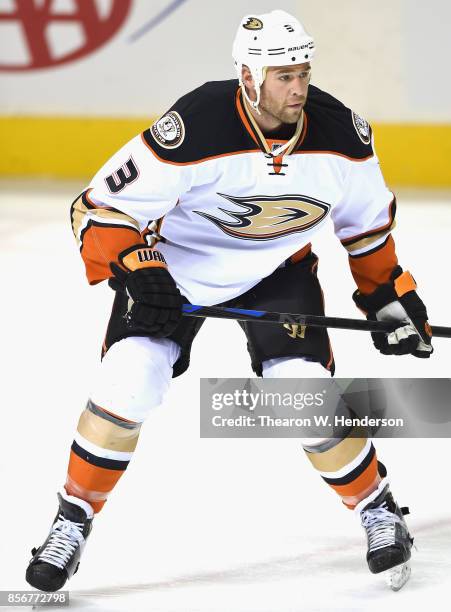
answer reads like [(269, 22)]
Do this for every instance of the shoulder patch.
[(362, 128), (169, 131)]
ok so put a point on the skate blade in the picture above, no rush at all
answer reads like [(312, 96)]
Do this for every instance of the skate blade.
[(398, 576)]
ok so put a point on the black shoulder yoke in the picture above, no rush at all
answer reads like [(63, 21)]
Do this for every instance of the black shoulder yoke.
[(333, 127), (210, 123)]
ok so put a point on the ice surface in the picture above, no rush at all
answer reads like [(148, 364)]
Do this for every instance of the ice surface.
[(195, 524)]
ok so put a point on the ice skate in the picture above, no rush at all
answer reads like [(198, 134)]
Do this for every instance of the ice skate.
[(59, 556), (389, 541)]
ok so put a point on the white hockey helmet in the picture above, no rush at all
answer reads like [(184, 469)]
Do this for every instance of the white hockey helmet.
[(272, 39)]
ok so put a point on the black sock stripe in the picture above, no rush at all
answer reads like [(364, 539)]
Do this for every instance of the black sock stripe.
[(109, 464), (355, 472)]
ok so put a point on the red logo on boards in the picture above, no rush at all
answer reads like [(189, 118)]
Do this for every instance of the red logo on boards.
[(48, 33)]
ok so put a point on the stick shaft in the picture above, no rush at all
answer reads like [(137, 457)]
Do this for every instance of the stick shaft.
[(263, 316)]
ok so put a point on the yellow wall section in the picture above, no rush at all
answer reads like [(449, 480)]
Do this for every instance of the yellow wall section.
[(75, 147), (417, 155), (62, 147)]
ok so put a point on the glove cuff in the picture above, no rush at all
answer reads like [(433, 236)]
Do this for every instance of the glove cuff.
[(141, 256), (370, 304), (402, 283)]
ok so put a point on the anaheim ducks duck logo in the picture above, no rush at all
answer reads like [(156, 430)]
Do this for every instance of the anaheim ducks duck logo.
[(266, 217), (253, 24)]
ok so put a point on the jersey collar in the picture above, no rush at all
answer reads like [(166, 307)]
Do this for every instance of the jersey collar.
[(267, 145)]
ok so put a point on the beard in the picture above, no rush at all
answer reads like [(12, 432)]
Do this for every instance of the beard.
[(285, 114)]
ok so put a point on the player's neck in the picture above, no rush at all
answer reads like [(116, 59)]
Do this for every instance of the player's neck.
[(270, 126), (285, 131), (266, 122)]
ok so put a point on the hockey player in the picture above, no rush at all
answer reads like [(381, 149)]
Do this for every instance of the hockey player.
[(217, 203)]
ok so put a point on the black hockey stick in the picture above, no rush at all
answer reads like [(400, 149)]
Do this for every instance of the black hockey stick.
[(263, 316)]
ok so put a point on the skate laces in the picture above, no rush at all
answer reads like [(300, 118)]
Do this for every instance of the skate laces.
[(380, 526), (65, 537)]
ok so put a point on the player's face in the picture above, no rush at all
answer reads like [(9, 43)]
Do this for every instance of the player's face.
[(282, 95), (284, 92)]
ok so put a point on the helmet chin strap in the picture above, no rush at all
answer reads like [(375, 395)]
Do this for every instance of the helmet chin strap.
[(258, 75), (253, 103)]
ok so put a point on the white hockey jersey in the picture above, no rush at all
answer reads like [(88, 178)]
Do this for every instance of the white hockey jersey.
[(228, 211)]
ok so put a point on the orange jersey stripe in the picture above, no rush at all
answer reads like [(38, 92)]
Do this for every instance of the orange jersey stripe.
[(378, 230), (101, 245), (301, 253), (370, 271), (197, 161), (319, 152), (243, 116)]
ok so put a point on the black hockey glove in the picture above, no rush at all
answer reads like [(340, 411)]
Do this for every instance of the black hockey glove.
[(397, 301), (155, 303)]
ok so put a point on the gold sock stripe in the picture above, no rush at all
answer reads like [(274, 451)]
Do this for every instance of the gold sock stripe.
[(107, 434), (340, 455)]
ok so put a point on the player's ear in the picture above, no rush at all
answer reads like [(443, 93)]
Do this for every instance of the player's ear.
[(247, 78)]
